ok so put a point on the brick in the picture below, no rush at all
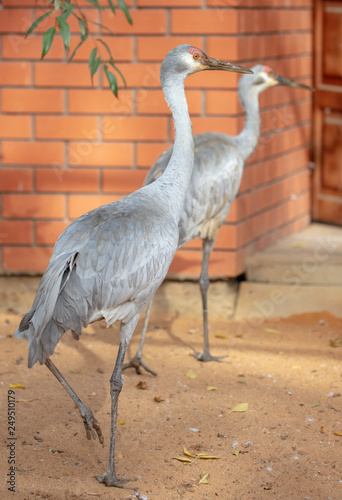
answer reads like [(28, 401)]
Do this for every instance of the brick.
[(188, 263), (15, 73), (32, 153), (139, 74), (15, 20), (155, 48), (26, 259), (258, 21), (81, 204), (33, 206), (144, 22), (25, 3), (18, 47), (15, 127), (32, 101), (67, 180), (98, 101), (148, 153), (54, 74), (213, 79), (89, 154), (136, 128), (122, 181), (67, 127), (227, 237), (16, 232), (225, 48), (221, 102), (16, 179), (192, 21), (121, 47), (47, 232), (152, 102), (218, 124)]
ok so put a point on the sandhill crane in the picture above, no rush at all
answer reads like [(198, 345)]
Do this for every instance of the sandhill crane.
[(109, 262), (218, 168)]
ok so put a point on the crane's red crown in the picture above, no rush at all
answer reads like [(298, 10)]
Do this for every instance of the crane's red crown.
[(195, 52)]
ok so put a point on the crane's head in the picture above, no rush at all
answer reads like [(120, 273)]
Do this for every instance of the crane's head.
[(264, 77), (187, 60)]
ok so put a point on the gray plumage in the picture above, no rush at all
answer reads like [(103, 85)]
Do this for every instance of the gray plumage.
[(110, 262), (215, 181)]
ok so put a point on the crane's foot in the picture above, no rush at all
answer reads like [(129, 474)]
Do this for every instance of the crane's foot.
[(91, 425), (110, 479), (205, 356), (136, 363)]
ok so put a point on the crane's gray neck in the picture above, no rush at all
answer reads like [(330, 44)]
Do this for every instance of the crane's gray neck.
[(248, 139), (176, 178)]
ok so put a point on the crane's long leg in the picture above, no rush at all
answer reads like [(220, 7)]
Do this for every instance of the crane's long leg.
[(137, 362), (204, 285), (109, 478), (91, 425)]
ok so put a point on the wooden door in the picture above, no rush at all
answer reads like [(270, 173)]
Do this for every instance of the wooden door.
[(327, 181)]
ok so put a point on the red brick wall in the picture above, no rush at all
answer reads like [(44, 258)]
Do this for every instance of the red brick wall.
[(68, 147)]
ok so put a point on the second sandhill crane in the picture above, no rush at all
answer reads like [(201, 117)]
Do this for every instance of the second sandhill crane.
[(110, 262), (218, 169)]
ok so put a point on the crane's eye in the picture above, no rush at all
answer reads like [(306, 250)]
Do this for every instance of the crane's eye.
[(196, 56)]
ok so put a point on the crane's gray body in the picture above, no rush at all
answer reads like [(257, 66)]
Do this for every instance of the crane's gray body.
[(106, 264), (214, 184)]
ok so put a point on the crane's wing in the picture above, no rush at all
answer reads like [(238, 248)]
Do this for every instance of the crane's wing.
[(108, 263), (214, 184)]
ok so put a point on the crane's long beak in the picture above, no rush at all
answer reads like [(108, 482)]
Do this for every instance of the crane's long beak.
[(210, 63), (291, 83)]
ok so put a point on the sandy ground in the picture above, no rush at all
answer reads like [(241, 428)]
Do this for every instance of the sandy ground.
[(289, 440)]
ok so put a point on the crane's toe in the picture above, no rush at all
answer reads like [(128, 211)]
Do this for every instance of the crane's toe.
[(205, 356), (91, 425), (110, 479), (136, 363)]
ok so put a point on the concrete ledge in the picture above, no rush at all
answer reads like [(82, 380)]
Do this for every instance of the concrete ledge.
[(258, 301)]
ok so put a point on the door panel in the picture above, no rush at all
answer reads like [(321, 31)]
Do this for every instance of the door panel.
[(327, 185)]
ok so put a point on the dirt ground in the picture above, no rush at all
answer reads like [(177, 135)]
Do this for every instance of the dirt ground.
[(289, 440)]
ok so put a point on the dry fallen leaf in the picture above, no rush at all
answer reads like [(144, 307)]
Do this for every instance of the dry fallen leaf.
[(119, 455), (17, 386), (142, 385), (239, 407), (204, 477), (236, 452), (122, 422), (296, 367), (182, 459), (221, 336), (337, 433), (211, 388), (272, 330), (312, 405), (206, 456), (147, 356), (336, 343), (191, 374), (186, 452), (158, 399)]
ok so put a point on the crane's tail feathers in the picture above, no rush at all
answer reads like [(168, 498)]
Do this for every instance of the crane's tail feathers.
[(38, 325)]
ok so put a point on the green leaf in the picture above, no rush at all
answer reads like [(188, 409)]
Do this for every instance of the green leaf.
[(75, 50), (125, 10), (92, 57), (84, 29), (113, 83), (47, 41), (111, 6), (105, 46), (95, 67), (57, 4), (35, 24), (95, 3), (111, 62), (64, 29)]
